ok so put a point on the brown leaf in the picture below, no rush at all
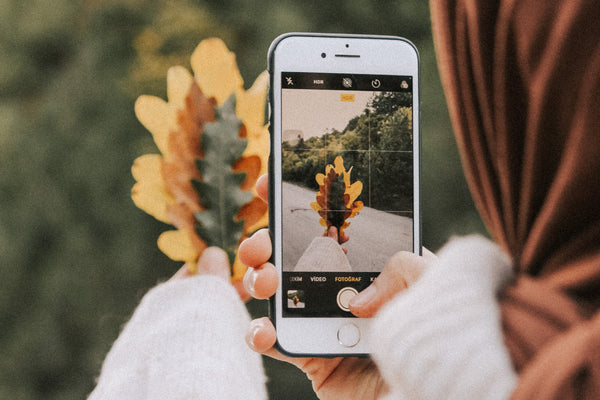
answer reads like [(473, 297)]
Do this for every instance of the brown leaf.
[(179, 168), (333, 200)]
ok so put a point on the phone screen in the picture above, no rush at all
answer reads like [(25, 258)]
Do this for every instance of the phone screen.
[(347, 163)]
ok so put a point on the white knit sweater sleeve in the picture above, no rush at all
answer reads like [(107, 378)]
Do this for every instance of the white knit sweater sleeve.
[(184, 341), (312, 259), (442, 338)]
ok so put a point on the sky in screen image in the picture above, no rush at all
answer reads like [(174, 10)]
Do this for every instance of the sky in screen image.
[(316, 112)]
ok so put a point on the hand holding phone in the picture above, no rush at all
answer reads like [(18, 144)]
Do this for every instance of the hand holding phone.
[(344, 159), (332, 378)]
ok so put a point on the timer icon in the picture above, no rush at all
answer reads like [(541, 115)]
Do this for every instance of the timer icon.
[(376, 83)]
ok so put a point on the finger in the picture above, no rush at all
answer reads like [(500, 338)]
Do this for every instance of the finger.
[(214, 261), (256, 250), (261, 337), (332, 233), (344, 238), (262, 187), (403, 269), (261, 282)]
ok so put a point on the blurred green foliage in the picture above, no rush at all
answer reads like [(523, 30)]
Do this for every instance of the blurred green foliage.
[(382, 125), (75, 254)]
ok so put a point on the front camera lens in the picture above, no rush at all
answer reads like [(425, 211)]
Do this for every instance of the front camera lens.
[(323, 55)]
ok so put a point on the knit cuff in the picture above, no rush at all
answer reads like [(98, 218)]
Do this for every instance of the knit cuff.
[(185, 340), (442, 338), (323, 254)]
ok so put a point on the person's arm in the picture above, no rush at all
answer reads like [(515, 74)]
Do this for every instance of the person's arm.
[(442, 338), (324, 254), (184, 341), (439, 337)]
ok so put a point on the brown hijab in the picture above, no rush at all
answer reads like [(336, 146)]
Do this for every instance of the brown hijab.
[(522, 80)]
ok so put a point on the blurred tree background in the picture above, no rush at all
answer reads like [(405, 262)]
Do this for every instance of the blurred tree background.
[(76, 255)]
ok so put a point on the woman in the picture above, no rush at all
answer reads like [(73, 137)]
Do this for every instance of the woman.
[(522, 80)]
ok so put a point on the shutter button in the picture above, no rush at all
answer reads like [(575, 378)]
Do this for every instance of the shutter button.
[(344, 296)]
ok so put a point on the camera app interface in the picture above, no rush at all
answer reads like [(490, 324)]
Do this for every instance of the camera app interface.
[(347, 191)]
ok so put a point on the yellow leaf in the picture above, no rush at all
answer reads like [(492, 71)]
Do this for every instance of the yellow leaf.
[(339, 165), (320, 178), (179, 81), (164, 184), (336, 208), (353, 191), (146, 168), (315, 206), (177, 246), (156, 115), (260, 223), (216, 70), (258, 145), (251, 103), (149, 193), (239, 269)]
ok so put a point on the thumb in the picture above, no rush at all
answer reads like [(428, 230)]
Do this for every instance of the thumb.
[(403, 269), (214, 261)]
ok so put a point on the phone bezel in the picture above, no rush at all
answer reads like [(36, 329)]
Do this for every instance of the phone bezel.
[(303, 52)]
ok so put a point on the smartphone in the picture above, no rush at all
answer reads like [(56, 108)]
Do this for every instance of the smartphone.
[(344, 180)]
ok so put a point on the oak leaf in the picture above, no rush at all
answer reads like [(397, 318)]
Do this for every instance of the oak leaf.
[(336, 199), (213, 144)]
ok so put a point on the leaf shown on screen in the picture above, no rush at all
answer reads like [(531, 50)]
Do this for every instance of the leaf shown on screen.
[(336, 198)]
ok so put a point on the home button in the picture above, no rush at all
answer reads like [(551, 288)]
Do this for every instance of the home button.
[(348, 335)]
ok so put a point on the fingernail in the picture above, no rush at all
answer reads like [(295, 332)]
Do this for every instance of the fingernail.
[(364, 297), (250, 281), (253, 329)]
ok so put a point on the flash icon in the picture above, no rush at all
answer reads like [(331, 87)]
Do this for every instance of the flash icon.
[(289, 81)]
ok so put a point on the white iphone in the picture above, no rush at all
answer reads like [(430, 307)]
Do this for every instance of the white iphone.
[(344, 180)]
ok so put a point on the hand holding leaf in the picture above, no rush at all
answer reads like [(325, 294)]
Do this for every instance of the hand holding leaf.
[(336, 198), (214, 143)]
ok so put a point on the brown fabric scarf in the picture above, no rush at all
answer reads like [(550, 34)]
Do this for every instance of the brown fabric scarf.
[(522, 80)]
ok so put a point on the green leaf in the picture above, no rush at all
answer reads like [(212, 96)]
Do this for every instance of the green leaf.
[(219, 190)]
